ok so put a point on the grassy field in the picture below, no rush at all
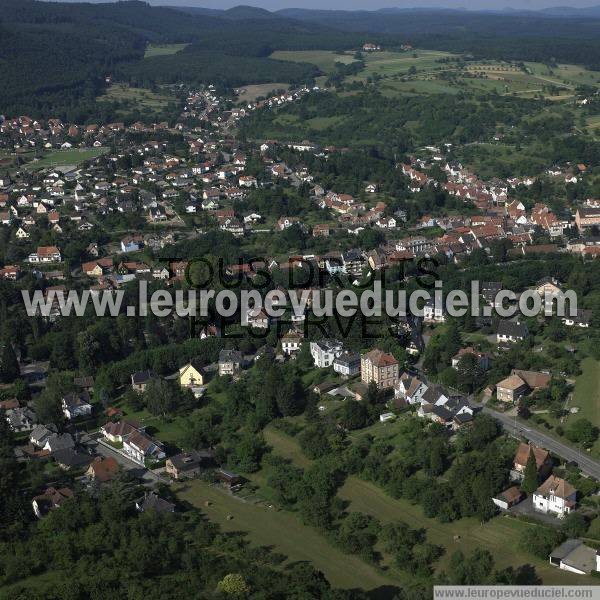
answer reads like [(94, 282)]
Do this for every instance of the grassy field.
[(286, 446), (250, 93), (324, 59), (500, 535), (163, 49), (130, 99), (63, 158), (395, 63), (432, 74), (586, 395), (284, 533), (496, 535), (593, 124)]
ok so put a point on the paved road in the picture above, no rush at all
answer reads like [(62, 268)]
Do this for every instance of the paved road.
[(587, 464)]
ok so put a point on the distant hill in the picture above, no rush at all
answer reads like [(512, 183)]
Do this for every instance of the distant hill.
[(568, 11), (54, 57)]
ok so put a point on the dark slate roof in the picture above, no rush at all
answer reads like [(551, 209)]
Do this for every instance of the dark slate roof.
[(142, 376), (152, 501), (187, 461), (70, 458), (512, 329)]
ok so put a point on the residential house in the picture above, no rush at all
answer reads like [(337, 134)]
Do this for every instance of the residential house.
[(230, 363), (433, 313), (59, 441), (10, 272), (324, 352), (45, 254), (380, 367), (247, 181), (51, 499), (587, 217), (258, 318), (188, 464), (511, 332), (555, 496), (581, 319), (20, 419), (97, 268), (353, 262), (511, 389), (85, 383), (291, 342), (230, 480), (140, 447), (321, 230), (151, 501), (140, 379), (117, 432), (547, 286), (347, 364), (76, 405), (69, 458), (520, 383), (40, 435), (132, 243), (191, 375), (483, 358), (287, 222), (543, 461), (102, 469)]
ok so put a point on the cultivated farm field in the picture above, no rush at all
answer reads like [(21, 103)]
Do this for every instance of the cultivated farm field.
[(163, 49)]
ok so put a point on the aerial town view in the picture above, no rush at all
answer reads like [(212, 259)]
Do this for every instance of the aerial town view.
[(299, 300)]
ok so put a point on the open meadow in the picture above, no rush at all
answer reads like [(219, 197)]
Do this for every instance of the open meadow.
[(432, 72), (163, 49), (500, 535), (324, 59), (250, 93), (131, 99), (283, 532), (63, 158)]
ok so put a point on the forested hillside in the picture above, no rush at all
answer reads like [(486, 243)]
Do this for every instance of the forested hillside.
[(522, 36), (54, 57)]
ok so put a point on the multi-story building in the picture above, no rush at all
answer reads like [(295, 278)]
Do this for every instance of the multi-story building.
[(380, 367), (324, 352), (555, 496), (347, 364), (586, 217)]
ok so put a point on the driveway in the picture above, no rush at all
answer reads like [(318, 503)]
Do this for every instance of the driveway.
[(100, 448), (525, 508)]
